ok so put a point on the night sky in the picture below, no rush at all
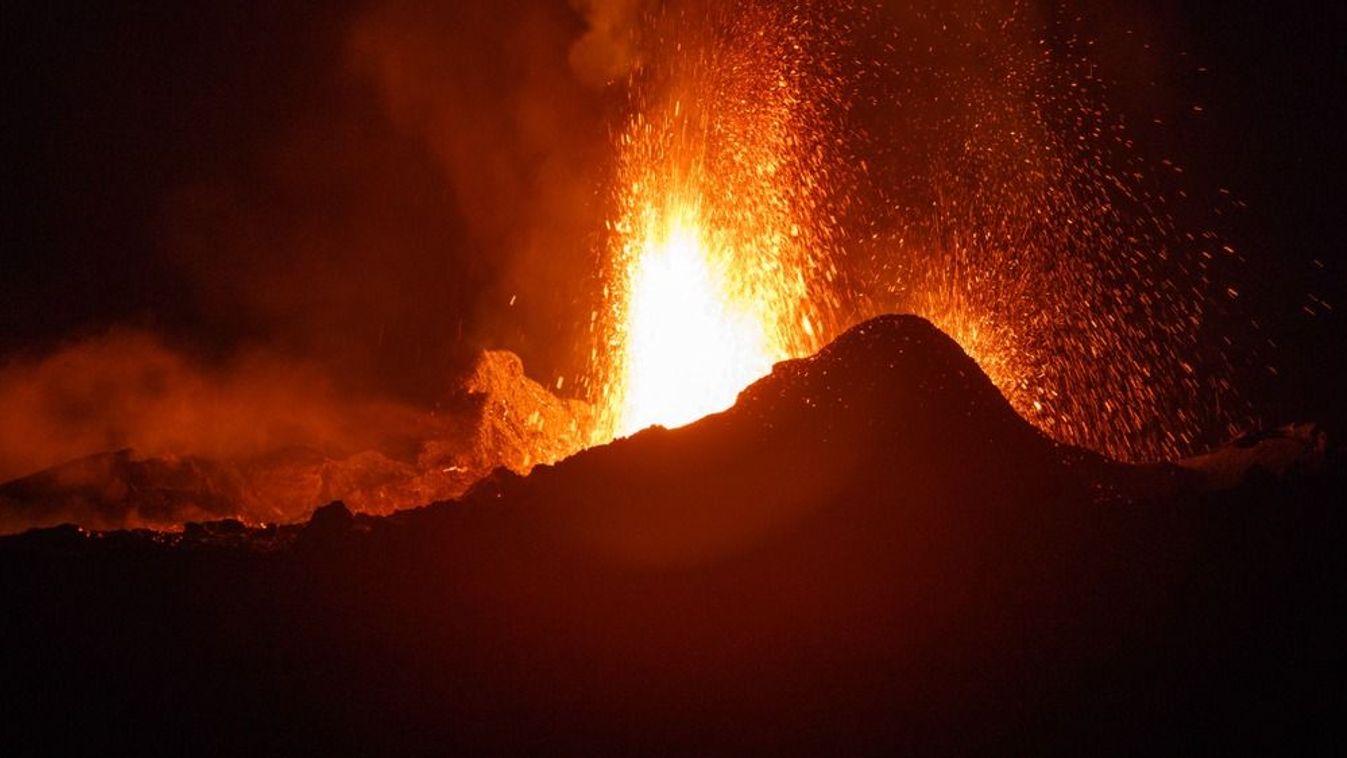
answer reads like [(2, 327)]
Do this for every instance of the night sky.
[(251, 172)]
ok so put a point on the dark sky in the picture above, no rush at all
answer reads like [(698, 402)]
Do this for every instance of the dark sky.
[(1271, 131), (349, 184), (110, 109), (234, 172)]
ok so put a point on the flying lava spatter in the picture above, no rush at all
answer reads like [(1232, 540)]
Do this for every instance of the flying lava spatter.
[(721, 262), (986, 186)]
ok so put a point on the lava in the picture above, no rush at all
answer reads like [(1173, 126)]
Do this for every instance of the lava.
[(720, 262), (691, 342), (987, 187)]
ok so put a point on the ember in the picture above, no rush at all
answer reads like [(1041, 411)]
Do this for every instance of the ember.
[(752, 178), (653, 376), (1003, 201)]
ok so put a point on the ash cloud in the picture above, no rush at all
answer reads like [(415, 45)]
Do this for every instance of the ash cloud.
[(521, 141), (438, 191)]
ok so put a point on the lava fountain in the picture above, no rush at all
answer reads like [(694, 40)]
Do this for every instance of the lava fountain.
[(982, 181), (692, 341), (719, 260)]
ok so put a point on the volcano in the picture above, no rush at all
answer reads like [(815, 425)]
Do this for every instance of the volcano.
[(869, 550)]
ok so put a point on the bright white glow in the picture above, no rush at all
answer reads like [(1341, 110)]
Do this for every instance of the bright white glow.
[(692, 345)]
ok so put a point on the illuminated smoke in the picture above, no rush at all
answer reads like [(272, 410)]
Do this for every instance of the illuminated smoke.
[(609, 48), (127, 389)]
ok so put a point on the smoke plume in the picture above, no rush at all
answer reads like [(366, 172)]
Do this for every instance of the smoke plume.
[(127, 389)]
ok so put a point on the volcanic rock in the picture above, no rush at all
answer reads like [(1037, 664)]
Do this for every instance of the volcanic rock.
[(333, 518), (211, 529), (327, 527), (870, 552), (1276, 453)]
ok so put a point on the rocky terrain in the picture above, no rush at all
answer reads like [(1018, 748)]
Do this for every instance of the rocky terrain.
[(869, 551)]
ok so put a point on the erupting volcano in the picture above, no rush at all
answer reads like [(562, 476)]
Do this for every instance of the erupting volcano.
[(758, 210), (648, 376)]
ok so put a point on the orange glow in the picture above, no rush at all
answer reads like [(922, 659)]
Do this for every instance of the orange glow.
[(1001, 201), (719, 261), (692, 341)]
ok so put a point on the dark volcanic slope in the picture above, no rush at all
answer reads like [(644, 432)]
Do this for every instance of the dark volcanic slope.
[(869, 550)]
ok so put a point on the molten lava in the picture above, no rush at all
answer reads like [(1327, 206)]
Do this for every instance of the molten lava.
[(772, 145), (719, 262), (692, 341)]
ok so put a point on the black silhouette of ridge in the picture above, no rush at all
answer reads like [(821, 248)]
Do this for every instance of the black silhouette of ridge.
[(870, 551)]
